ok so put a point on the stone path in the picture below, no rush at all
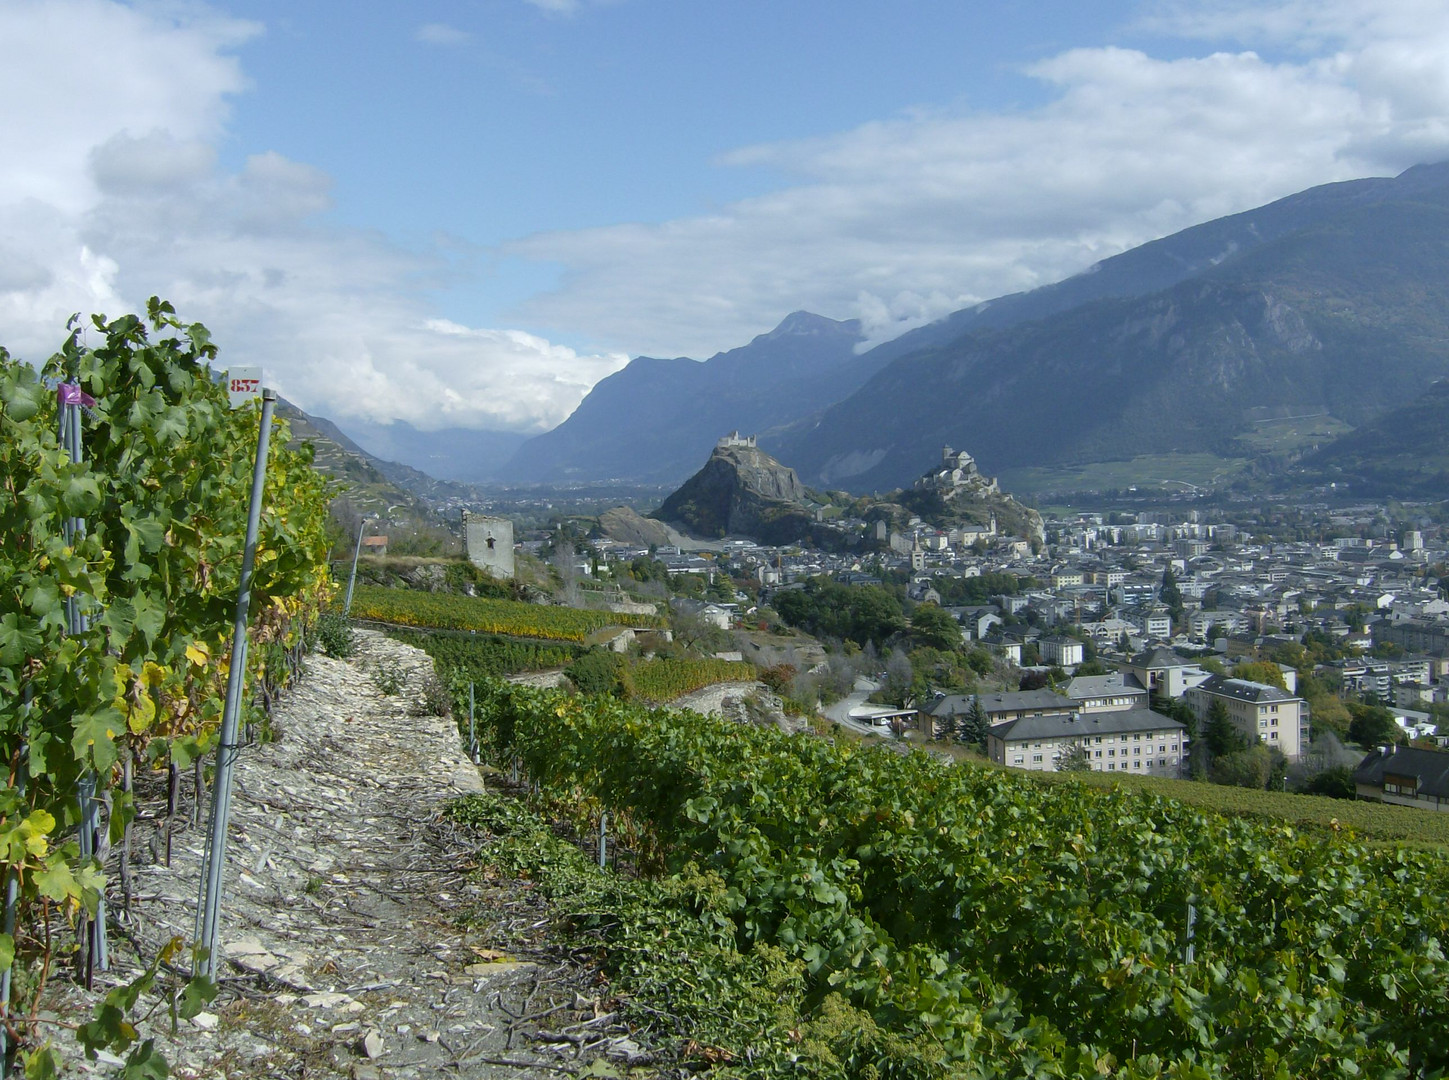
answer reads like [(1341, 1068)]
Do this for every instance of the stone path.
[(345, 954)]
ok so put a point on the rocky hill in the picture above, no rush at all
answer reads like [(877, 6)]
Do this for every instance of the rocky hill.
[(626, 525), (741, 491)]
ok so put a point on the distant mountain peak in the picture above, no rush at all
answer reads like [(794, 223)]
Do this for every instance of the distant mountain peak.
[(806, 322)]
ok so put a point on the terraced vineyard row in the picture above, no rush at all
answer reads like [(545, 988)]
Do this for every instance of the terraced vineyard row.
[(491, 656), (667, 679), (974, 923), (450, 611), (1372, 821), (119, 575)]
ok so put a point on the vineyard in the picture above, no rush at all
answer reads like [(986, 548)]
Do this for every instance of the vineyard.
[(664, 680), (405, 607), (118, 582), (920, 920), (470, 658), (1371, 821)]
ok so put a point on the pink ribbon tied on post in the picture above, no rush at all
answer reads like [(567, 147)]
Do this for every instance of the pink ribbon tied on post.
[(72, 394)]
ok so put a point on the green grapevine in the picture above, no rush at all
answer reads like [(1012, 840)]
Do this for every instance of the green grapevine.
[(1024, 929), (163, 487), (448, 611), (664, 680)]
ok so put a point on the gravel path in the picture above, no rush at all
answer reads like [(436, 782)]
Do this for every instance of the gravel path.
[(344, 952)]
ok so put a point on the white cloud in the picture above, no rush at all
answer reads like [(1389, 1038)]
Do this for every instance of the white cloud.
[(110, 192), (441, 34), (904, 220)]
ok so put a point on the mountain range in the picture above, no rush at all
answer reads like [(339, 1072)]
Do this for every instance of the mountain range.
[(1402, 454), (1336, 300), (1333, 302), (653, 420)]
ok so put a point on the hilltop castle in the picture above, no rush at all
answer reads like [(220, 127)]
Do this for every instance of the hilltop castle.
[(958, 474)]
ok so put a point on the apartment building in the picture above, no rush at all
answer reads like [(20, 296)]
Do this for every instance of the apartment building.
[(1138, 741), (1259, 711)]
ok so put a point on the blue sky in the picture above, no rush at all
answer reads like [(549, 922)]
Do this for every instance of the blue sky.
[(465, 213)]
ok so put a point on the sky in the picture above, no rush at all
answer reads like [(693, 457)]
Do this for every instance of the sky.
[(464, 213)]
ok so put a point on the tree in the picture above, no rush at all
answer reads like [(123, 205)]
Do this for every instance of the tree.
[(1221, 734), (1261, 671), (827, 608), (900, 686), (1171, 595), (935, 628), (779, 677), (980, 661), (1373, 725), (1336, 783), (972, 725), (1250, 768), (564, 562), (1074, 759), (598, 671), (694, 630)]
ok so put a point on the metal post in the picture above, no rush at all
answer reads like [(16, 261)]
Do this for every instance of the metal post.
[(209, 915), (12, 898), (1191, 923), (603, 839), (97, 955), (472, 741), (352, 578), (71, 400)]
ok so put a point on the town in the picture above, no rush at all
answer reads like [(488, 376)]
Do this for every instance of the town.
[(1336, 612)]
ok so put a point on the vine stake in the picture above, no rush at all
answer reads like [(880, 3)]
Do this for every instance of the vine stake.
[(214, 861)]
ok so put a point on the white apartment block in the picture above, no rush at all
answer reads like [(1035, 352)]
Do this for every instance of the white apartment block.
[(1259, 711), (1107, 693), (1061, 650), (1136, 741)]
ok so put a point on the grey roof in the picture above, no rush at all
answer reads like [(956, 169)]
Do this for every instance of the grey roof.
[(1122, 722), (1430, 766), (1158, 658), (1046, 700), (1117, 682), (1244, 689)]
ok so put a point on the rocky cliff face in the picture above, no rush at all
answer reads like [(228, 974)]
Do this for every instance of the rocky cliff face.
[(741, 490)]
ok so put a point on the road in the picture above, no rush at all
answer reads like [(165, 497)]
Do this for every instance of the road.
[(840, 711)]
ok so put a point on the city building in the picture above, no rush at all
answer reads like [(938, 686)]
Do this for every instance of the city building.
[(1138, 741), (1405, 776), (1257, 710)]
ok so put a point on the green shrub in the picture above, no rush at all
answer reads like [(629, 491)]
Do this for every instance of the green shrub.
[(334, 636), (388, 678), (597, 672)]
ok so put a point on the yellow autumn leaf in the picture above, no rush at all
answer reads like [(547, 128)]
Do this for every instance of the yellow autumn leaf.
[(142, 715), (197, 653)]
